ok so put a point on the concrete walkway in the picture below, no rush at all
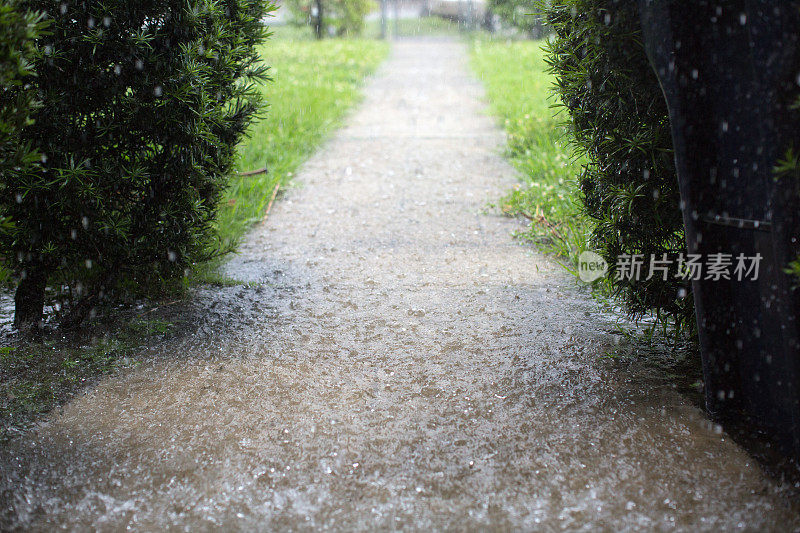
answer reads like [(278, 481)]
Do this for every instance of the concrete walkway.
[(410, 367)]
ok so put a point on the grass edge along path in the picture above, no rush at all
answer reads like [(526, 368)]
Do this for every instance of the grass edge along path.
[(518, 90), (314, 84)]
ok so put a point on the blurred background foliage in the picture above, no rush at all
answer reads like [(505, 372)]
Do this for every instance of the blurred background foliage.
[(525, 15), (340, 18)]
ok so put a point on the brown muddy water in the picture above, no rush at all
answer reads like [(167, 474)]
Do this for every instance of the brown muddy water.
[(398, 363)]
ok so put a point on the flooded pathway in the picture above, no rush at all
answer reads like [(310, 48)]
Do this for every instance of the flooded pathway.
[(399, 363)]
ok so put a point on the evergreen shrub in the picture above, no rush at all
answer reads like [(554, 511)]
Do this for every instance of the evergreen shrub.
[(18, 30), (141, 107), (618, 118)]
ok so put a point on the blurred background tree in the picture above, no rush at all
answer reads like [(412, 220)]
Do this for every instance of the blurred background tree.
[(339, 17), (524, 15)]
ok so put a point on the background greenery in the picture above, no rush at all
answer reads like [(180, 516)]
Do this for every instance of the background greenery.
[(345, 17), (524, 15)]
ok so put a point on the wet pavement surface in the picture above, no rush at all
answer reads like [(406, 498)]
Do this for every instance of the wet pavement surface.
[(396, 362)]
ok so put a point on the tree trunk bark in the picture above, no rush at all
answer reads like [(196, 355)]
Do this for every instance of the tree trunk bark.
[(318, 22), (29, 299)]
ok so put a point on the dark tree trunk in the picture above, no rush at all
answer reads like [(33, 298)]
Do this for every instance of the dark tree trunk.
[(29, 299), (318, 21), (727, 85)]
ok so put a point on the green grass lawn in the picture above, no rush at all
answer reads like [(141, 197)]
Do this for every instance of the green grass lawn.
[(314, 84), (518, 87)]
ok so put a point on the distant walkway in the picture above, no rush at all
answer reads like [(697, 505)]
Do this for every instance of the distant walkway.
[(412, 368)]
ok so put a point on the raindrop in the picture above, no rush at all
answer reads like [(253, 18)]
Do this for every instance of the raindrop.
[(19, 198), (139, 64), (63, 8), (85, 222), (91, 22), (724, 125), (742, 19), (73, 234), (88, 263), (118, 70), (106, 21), (172, 256), (158, 91)]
